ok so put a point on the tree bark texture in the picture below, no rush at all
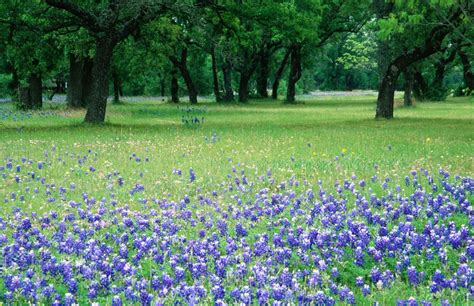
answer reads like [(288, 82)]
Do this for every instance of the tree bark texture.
[(97, 97)]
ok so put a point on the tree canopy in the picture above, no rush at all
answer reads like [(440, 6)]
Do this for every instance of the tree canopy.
[(207, 47)]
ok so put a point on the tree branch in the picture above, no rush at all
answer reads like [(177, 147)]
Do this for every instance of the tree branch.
[(88, 19)]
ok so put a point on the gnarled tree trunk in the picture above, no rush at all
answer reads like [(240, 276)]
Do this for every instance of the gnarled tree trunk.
[(295, 73), (97, 97)]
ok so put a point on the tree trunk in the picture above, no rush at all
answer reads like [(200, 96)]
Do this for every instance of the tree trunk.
[(386, 93), (183, 68), (248, 65), (279, 74), (244, 86), (24, 97), (420, 87), (227, 73), (295, 73), (349, 81), (59, 89), (431, 45), (437, 90), (97, 98), (192, 92), (407, 100), (174, 86), (439, 75), (31, 95), (116, 83), (86, 80), (215, 78), (36, 91), (263, 74), (468, 74), (74, 89)]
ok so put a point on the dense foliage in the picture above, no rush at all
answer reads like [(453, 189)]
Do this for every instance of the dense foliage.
[(227, 48)]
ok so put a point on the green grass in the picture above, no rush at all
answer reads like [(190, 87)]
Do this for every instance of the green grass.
[(301, 140), (265, 134)]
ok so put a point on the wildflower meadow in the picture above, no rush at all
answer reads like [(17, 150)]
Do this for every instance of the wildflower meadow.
[(262, 203)]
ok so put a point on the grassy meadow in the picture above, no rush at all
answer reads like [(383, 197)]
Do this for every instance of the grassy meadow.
[(247, 164)]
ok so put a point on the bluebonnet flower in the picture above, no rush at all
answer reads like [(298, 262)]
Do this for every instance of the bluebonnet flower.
[(412, 276), (116, 301), (218, 292), (69, 299), (366, 290)]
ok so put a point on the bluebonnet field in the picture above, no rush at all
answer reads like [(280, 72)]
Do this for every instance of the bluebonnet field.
[(162, 214)]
